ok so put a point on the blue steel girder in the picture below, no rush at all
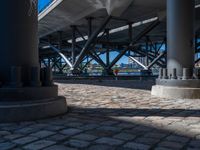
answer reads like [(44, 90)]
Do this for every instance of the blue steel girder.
[(91, 39), (137, 39)]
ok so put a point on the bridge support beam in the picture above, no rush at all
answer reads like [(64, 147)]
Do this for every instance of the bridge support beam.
[(180, 53), (23, 96)]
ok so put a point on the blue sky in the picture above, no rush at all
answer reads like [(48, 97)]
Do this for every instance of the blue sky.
[(42, 4)]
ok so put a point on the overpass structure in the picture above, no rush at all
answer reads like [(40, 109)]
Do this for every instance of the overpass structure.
[(165, 33), (90, 30), (72, 32)]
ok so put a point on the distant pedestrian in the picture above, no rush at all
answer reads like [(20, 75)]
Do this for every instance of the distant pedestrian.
[(116, 71)]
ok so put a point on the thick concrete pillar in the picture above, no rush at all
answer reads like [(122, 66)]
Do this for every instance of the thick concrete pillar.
[(177, 80), (73, 44), (180, 34), (19, 39), (22, 97), (108, 47)]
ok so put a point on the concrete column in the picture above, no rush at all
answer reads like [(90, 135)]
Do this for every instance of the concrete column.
[(89, 26), (73, 44), (21, 96), (147, 52), (18, 38), (108, 47), (130, 31), (180, 33)]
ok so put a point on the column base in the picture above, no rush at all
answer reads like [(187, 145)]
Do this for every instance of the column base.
[(30, 103), (32, 110), (175, 92)]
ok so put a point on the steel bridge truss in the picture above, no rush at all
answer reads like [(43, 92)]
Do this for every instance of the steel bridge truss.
[(64, 56)]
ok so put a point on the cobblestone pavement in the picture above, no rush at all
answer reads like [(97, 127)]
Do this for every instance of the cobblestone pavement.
[(105, 117)]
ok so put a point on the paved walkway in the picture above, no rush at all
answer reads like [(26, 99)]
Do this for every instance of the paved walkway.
[(110, 116)]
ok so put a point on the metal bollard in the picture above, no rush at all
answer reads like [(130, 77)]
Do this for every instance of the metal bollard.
[(197, 73), (47, 79), (174, 74), (165, 74), (160, 73), (186, 73)]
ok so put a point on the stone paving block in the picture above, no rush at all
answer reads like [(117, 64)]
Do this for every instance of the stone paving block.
[(18, 148), (7, 146), (162, 148), (101, 147), (85, 137), (57, 137), (38, 126), (54, 128), (13, 136), (109, 128), (26, 130), (192, 148), (74, 124), (194, 144), (39, 145), (109, 141), (195, 132), (126, 125), (70, 131), (198, 137), (12, 128), (89, 127), (124, 136), (4, 133), (109, 123), (176, 138), (136, 146), (172, 145), (27, 123), (2, 125), (143, 129), (100, 133), (43, 134), (25, 140), (135, 132), (57, 122), (2, 140), (155, 135), (147, 141), (59, 147), (77, 143)]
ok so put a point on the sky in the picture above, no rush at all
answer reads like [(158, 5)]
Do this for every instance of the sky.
[(42, 4)]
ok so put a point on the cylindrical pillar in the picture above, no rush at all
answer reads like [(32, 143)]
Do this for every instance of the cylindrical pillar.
[(108, 47), (89, 26), (21, 96), (73, 44), (18, 38), (180, 33)]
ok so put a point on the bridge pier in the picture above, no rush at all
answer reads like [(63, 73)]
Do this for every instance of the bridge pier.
[(179, 81), (23, 94)]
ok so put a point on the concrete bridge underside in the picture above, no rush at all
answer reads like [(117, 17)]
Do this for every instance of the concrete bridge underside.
[(27, 91)]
